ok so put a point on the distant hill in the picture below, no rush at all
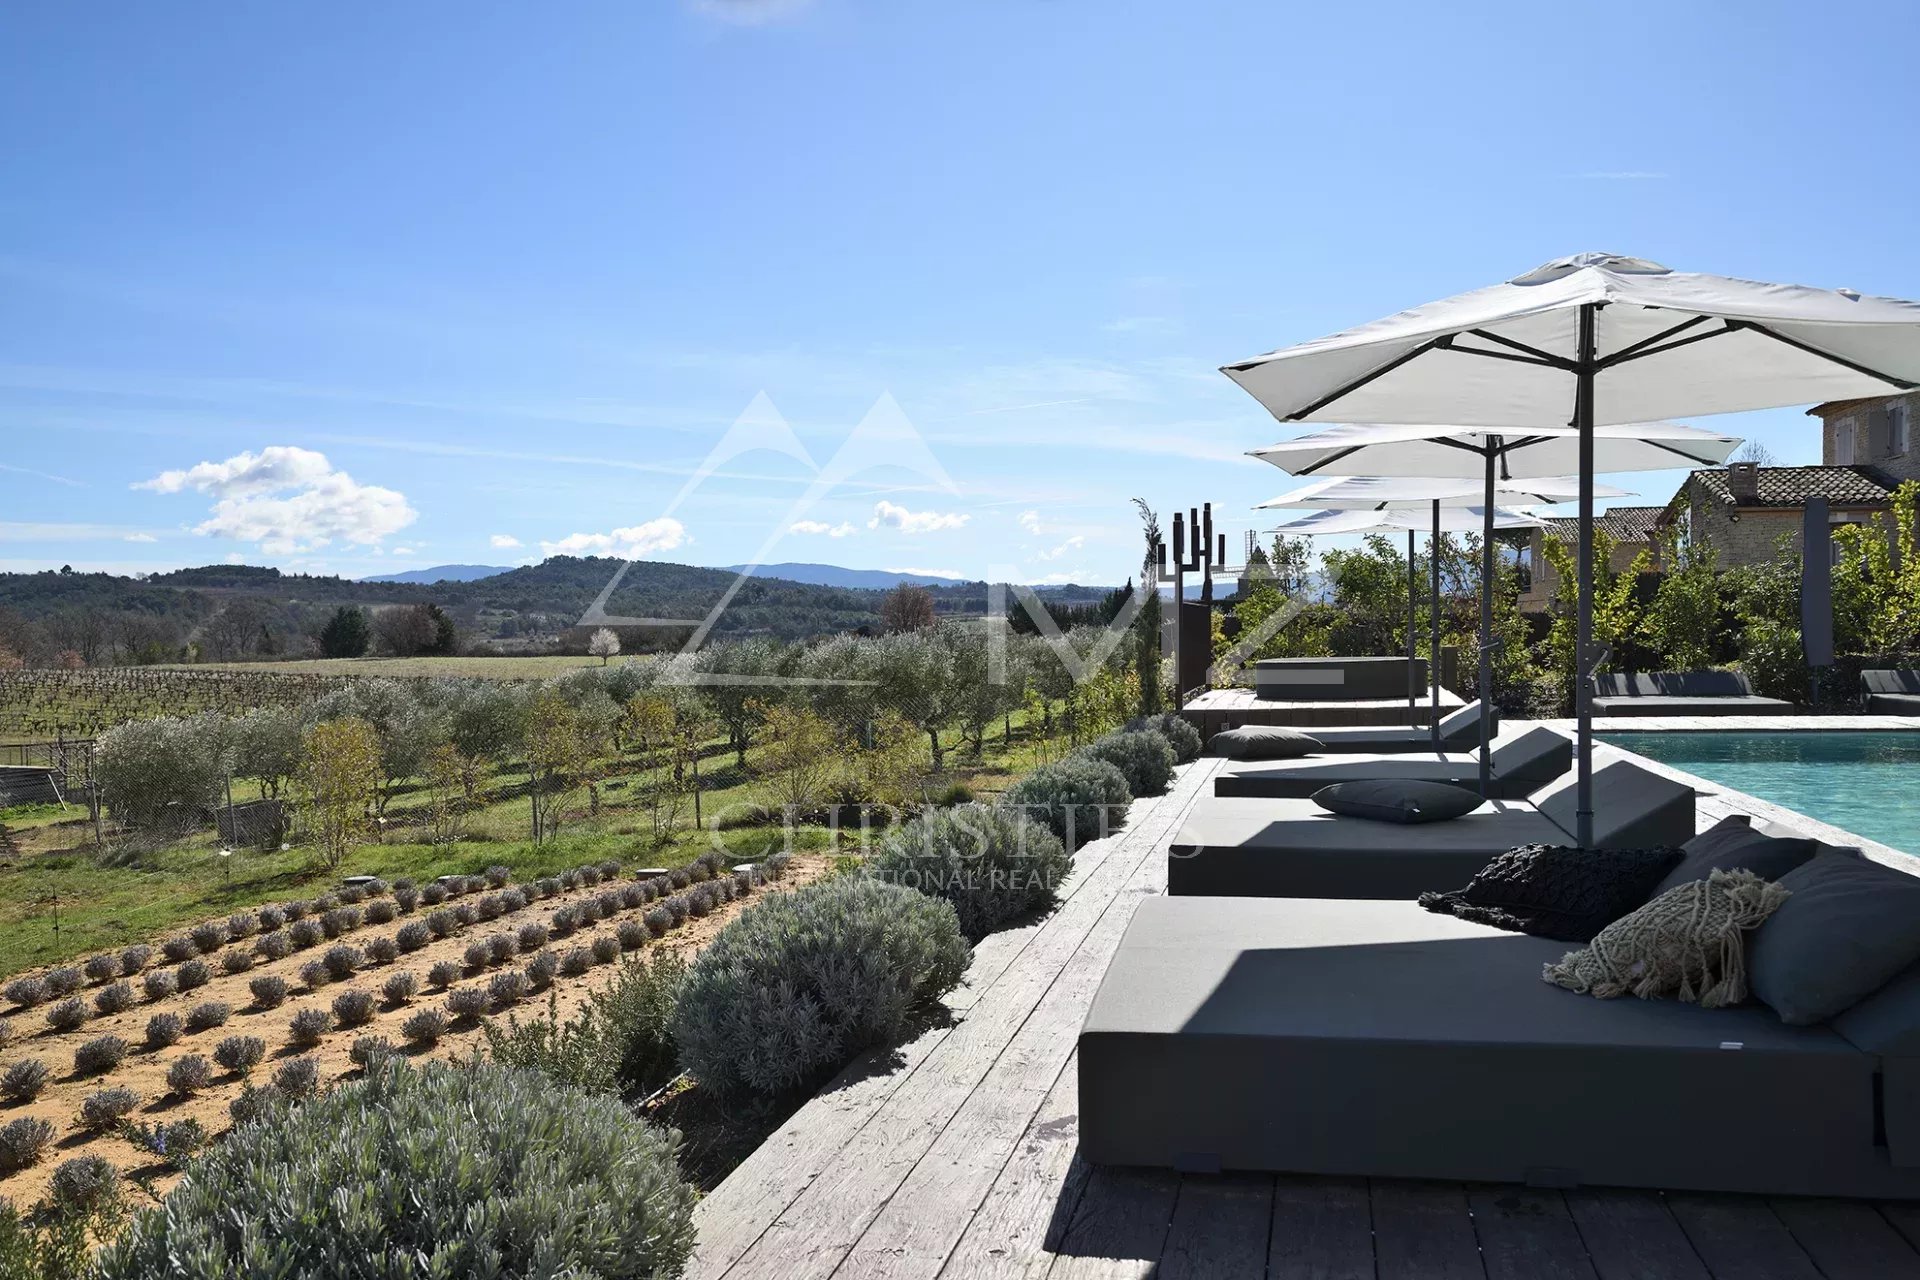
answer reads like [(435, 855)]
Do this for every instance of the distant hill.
[(443, 573), (832, 575)]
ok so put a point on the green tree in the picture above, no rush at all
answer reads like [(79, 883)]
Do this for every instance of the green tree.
[(1616, 616), (1684, 619), (1147, 623), (339, 776), (346, 634)]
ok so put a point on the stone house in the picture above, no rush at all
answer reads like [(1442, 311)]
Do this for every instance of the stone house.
[(1633, 530), (1743, 510), (1876, 433)]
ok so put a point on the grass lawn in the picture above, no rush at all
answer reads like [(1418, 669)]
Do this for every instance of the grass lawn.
[(135, 891)]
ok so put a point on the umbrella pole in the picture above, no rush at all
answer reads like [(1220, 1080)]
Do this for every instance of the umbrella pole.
[(1433, 607), (1583, 634), (1486, 628), (1413, 631)]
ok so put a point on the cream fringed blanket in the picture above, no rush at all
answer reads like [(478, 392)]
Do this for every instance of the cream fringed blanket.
[(1688, 943)]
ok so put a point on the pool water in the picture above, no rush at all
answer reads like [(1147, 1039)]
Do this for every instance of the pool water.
[(1866, 783)]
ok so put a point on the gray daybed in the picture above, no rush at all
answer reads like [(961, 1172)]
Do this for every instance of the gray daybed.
[(1892, 693), (1376, 1038), (1683, 693), (1459, 731), (1520, 765), (1251, 847)]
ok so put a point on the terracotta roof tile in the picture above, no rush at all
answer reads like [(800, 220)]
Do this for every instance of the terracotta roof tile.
[(1792, 486)]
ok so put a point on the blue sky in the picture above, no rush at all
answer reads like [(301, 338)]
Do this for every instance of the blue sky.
[(360, 287)]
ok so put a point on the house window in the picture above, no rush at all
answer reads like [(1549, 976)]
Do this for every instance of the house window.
[(1843, 443), (1897, 416)]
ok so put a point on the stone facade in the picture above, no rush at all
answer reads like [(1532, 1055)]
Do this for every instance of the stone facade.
[(1866, 432)]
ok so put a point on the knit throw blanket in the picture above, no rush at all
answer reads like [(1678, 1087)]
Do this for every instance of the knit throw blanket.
[(1689, 943)]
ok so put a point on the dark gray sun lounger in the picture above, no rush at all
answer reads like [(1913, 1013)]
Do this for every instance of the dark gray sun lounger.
[(1251, 847), (1368, 1038), (1683, 693), (1459, 731), (1520, 765), (1892, 693)]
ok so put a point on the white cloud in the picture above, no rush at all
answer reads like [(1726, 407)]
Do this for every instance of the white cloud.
[(1030, 521), (631, 543), (503, 541), (141, 537), (288, 499), (888, 515), (1071, 544), (840, 530), (399, 551), (928, 573)]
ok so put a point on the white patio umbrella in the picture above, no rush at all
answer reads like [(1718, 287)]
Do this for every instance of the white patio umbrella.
[(1444, 519), (1595, 340), (1381, 493)]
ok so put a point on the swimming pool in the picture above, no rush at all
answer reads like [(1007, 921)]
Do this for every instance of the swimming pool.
[(1866, 783)]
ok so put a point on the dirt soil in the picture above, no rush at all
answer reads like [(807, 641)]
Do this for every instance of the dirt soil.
[(145, 1070)]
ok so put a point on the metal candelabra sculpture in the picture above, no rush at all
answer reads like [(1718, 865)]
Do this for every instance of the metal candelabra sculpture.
[(1195, 550)]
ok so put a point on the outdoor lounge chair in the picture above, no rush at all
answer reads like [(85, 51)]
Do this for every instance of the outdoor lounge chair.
[(1375, 1038), (1683, 693), (1459, 731), (1520, 764), (1892, 693), (1250, 847)]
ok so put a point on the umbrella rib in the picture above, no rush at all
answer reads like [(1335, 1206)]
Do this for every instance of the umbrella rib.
[(1327, 461), (1636, 349), (1623, 357), (1503, 355), (1844, 363), (1543, 357), (1353, 386)]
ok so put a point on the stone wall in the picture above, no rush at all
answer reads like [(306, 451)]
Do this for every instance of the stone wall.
[(1857, 423)]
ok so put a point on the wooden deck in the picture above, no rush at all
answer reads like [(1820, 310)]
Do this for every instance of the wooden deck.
[(956, 1156)]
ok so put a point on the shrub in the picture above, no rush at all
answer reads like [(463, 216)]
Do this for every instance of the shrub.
[(620, 1040), (297, 909), (611, 902), (606, 949), (307, 1027), (565, 921), (6, 1032), (576, 961), (242, 924), (609, 868), (803, 981), (269, 991), (254, 1103), (325, 902), (413, 935), (236, 962), (115, 997), (84, 1185), (631, 935), (658, 920), (589, 876), (1181, 736), (306, 933), (441, 924), (1078, 798), (778, 863), (434, 894), (507, 989), (102, 1053), (992, 864), (174, 1143), (631, 896), (440, 1159), (164, 1029), (134, 958), (178, 948), (208, 936), (208, 1014), (514, 899), (443, 973), (497, 876), (343, 960), (65, 981), (189, 1075), (23, 1143), (100, 968), (424, 1027), (353, 1008), (489, 907), (23, 1081), (272, 917), (406, 896), (275, 945), (679, 908), (382, 950), (240, 1054), (315, 975), (192, 974), (104, 1108), (350, 893), (463, 914), (160, 983), (502, 947), (340, 920), (548, 886), (381, 911), (371, 1052), (399, 988), (298, 1077), (1144, 758), (68, 1014), (476, 955), (467, 1002), (541, 968), (532, 936)]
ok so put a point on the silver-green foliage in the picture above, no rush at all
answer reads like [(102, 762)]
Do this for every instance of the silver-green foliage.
[(1144, 757), (1180, 735), (992, 864), (436, 1171), (1079, 798), (801, 982)]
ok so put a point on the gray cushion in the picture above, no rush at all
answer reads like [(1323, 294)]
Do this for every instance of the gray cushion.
[(1405, 800), (1262, 742), (1552, 891), (1849, 927), (1733, 843)]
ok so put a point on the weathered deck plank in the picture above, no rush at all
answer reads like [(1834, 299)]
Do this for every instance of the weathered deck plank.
[(1219, 1228), (1527, 1234), (1422, 1231), (1741, 1236), (1322, 1229), (1631, 1235), (1849, 1240), (1119, 1228)]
